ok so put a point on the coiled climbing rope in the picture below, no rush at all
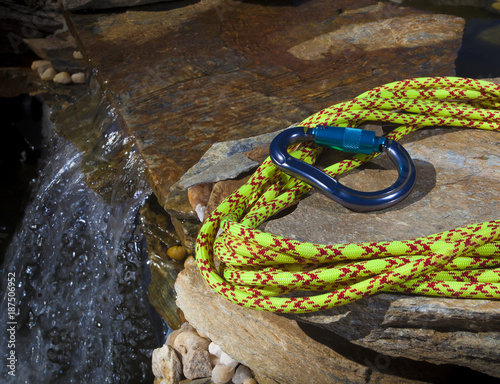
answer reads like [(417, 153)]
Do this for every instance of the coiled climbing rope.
[(257, 269)]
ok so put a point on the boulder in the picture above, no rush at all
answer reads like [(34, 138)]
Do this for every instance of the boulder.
[(457, 184), (286, 351)]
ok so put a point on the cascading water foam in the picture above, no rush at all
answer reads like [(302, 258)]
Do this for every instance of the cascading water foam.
[(80, 310)]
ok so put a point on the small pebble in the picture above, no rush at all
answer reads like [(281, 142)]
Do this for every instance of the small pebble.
[(78, 78), (48, 74), (221, 374), (190, 260), (241, 374), (214, 349), (228, 360), (39, 63), (77, 55), (171, 337), (250, 381), (177, 252), (62, 78), (196, 363), (188, 341)]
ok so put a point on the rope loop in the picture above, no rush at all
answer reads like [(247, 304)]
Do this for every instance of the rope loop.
[(260, 270)]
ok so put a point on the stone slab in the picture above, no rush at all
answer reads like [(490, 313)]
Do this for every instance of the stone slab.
[(285, 351), (457, 184), (185, 75)]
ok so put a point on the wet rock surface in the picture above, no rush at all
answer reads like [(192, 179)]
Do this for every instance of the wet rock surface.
[(218, 70)]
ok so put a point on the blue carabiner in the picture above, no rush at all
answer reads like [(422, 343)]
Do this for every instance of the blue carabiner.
[(353, 140)]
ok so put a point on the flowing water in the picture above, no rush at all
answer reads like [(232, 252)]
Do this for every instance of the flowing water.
[(73, 300)]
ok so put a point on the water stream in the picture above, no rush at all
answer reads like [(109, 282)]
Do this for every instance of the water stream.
[(77, 310)]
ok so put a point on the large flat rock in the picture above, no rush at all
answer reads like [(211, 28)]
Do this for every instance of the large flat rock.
[(289, 352), (185, 75), (457, 184)]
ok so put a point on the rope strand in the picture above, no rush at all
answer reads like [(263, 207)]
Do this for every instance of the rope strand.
[(257, 267)]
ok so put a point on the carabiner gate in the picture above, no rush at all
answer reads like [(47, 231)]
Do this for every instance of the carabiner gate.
[(353, 140)]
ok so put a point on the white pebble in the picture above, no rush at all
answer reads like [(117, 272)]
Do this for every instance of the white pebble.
[(62, 78), (171, 337), (228, 360), (222, 374), (200, 211), (77, 55), (214, 349), (48, 74), (78, 78), (39, 63), (241, 374), (189, 261)]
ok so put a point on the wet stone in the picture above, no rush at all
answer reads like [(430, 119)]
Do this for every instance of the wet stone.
[(160, 236), (224, 161), (220, 70)]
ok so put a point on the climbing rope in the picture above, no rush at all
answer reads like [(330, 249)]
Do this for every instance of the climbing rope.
[(257, 269)]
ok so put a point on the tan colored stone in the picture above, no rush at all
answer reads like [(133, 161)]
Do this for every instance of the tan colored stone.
[(243, 332), (166, 365), (62, 78), (190, 260), (221, 374), (187, 341), (39, 63), (78, 78), (48, 74), (197, 364), (177, 252)]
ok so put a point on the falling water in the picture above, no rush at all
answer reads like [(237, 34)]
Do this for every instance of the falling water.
[(74, 265)]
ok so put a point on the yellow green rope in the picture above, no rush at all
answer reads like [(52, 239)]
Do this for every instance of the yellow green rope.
[(257, 269)]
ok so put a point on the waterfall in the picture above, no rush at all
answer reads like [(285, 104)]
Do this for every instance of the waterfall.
[(75, 267)]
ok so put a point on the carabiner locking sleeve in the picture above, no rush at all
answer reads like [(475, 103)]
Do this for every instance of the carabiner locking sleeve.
[(353, 140)]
